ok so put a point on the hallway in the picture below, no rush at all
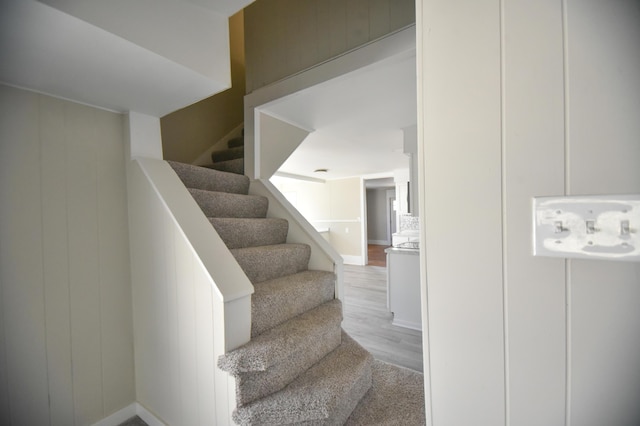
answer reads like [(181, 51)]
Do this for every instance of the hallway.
[(376, 255)]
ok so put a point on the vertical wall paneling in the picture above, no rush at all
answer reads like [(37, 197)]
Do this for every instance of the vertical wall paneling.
[(308, 32), (284, 37), (23, 307), (463, 229), (178, 332), (64, 262), (604, 106), (337, 27), (172, 330), (5, 409), (323, 25), (115, 287), (206, 359), (56, 259), (570, 98), (401, 14), (187, 341), (84, 267), (379, 18), (533, 89), (357, 23)]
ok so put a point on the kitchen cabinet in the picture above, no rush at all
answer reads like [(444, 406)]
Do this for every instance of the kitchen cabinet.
[(403, 287)]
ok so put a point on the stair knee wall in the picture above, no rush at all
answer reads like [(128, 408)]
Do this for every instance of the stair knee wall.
[(184, 315)]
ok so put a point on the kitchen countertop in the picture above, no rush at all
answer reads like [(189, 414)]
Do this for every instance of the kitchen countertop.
[(402, 250)]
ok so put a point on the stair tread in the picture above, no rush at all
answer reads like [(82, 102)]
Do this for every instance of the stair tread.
[(268, 262), (324, 394), (209, 179), (280, 299), (250, 232)]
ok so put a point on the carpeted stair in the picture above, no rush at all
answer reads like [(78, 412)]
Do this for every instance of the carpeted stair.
[(231, 159), (299, 367)]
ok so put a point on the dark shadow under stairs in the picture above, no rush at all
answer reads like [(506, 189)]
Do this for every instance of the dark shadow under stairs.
[(300, 367)]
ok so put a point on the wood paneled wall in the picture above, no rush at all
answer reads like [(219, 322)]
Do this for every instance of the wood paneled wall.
[(283, 37), (66, 340)]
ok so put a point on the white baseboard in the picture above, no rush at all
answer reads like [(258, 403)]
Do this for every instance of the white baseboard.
[(407, 324), (353, 260), (147, 416), (126, 413), (119, 416), (378, 242)]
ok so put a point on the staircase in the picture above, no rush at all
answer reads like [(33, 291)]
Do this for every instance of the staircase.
[(299, 367), (231, 159)]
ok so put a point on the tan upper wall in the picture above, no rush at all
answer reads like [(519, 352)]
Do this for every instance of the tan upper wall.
[(284, 37)]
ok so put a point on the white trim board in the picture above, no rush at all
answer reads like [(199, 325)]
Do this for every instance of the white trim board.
[(126, 413), (353, 260)]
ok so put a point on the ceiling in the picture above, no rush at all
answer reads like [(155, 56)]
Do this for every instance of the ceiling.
[(50, 51), (356, 122)]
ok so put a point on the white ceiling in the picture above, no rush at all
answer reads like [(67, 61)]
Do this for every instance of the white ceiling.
[(49, 51), (356, 121)]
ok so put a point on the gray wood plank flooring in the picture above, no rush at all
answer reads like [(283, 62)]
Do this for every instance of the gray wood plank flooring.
[(367, 320)]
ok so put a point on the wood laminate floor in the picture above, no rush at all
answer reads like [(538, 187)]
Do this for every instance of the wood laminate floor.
[(376, 255), (367, 320)]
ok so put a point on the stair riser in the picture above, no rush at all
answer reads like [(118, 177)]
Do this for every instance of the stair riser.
[(254, 385), (277, 301), (269, 262), (236, 142), (216, 204), (323, 395), (231, 166), (241, 233), (210, 180), (227, 154)]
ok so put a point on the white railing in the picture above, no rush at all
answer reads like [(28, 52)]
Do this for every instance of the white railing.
[(191, 301)]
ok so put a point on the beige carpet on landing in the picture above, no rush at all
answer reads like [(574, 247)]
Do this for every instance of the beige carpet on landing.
[(395, 398)]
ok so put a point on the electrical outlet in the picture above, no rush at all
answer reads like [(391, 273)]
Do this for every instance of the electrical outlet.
[(587, 227)]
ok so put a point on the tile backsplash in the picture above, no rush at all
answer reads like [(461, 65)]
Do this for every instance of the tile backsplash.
[(409, 223)]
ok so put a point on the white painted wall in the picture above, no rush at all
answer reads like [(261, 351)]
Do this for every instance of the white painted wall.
[(548, 94), (275, 142), (66, 337), (336, 204)]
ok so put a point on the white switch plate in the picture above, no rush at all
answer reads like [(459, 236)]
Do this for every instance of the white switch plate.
[(587, 227)]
